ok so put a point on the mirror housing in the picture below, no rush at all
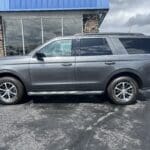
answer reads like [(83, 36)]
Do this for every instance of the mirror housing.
[(40, 55)]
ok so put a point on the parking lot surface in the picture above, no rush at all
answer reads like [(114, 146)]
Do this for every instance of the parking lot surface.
[(75, 123)]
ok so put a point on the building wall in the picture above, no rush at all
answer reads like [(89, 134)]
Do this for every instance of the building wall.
[(24, 31)]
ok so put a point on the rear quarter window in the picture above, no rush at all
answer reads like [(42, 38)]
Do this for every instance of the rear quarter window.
[(136, 45)]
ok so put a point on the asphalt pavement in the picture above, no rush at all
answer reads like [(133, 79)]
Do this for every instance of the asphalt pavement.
[(75, 123)]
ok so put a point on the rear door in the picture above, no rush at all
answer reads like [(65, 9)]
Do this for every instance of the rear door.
[(94, 63)]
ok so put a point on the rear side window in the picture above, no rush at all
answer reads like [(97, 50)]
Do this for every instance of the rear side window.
[(136, 45), (94, 47)]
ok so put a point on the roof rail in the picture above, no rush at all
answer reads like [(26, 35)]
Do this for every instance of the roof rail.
[(107, 33)]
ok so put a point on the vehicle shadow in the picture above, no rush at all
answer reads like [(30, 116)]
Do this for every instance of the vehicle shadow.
[(70, 99), (144, 96)]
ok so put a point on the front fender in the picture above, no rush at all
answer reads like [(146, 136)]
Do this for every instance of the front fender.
[(18, 75)]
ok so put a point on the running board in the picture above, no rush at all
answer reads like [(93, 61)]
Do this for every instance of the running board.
[(65, 93)]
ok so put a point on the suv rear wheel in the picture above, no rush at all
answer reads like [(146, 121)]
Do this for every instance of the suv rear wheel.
[(123, 90), (11, 91)]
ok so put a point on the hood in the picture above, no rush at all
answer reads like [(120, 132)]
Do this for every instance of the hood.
[(14, 60)]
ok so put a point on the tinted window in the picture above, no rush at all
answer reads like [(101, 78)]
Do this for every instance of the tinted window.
[(94, 46), (72, 26), (58, 48), (13, 37), (52, 28), (24, 34), (136, 45), (32, 34)]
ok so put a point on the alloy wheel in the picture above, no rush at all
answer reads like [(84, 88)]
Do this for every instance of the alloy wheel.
[(124, 91), (8, 92)]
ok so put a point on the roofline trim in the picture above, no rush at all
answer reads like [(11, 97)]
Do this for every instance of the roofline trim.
[(55, 9), (109, 33)]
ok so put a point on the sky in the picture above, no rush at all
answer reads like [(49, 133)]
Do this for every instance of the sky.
[(128, 16)]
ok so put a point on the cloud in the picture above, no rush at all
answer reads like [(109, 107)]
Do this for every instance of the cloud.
[(139, 20), (127, 16)]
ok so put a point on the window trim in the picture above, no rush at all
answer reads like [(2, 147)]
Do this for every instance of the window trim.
[(106, 38)]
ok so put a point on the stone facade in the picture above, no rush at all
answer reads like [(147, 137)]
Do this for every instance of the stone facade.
[(1, 40), (91, 23)]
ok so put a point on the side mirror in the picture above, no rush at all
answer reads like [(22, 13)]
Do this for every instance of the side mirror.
[(40, 55)]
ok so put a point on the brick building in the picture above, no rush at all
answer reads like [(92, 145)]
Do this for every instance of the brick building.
[(25, 24)]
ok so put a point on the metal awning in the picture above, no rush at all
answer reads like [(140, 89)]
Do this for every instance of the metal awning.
[(49, 5)]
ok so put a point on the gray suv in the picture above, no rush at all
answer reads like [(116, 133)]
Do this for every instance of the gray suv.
[(118, 64)]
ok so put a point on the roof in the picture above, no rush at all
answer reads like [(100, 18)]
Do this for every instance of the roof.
[(36, 5)]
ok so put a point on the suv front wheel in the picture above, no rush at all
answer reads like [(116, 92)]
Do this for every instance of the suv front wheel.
[(11, 90), (123, 90)]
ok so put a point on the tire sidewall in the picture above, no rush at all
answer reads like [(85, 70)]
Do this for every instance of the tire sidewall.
[(19, 87), (112, 85)]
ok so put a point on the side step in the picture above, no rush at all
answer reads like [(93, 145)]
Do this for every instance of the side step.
[(65, 93)]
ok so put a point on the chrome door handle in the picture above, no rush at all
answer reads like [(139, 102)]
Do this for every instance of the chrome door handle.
[(67, 64), (110, 63)]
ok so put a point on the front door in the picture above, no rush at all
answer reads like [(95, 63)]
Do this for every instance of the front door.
[(56, 71)]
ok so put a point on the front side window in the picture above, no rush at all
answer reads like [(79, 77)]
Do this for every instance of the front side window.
[(136, 45), (58, 48), (94, 47)]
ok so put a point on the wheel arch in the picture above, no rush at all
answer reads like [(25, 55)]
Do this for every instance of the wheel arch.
[(136, 76), (10, 74)]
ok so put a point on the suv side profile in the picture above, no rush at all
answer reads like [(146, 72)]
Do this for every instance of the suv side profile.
[(115, 63)]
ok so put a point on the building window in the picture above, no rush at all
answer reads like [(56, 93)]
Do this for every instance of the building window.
[(94, 46), (72, 26), (51, 28), (25, 34), (32, 34), (13, 37)]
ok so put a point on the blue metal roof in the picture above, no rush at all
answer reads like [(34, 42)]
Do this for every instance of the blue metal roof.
[(35, 5)]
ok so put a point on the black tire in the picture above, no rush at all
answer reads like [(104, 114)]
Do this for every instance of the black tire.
[(17, 90), (121, 99)]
